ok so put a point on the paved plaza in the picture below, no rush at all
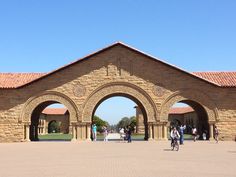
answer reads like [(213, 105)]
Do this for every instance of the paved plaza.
[(117, 159)]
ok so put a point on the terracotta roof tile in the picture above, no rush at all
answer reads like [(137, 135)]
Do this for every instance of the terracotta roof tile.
[(55, 111), (62, 111), (180, 110), (13, 80), (224, 79)]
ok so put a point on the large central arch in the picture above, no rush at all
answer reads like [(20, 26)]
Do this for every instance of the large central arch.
[(128, 90), (131, 91)]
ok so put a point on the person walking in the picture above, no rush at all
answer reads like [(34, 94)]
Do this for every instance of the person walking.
[(216, 132), (204, 134), (181, 132), (194, 132), (94, 132), (122, 134), (105, 133), (129, 132)]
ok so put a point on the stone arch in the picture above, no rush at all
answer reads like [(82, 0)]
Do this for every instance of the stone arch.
[(192, 95), (53, 96), (131, 91), (49, 125)]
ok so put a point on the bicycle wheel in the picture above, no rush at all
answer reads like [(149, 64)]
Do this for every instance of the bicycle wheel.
[(177, 146), (172, 146)]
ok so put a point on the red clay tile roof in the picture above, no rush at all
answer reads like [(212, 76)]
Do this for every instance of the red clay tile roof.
[(17, 80), (224, 79), (62, 111), (55, 111), (181, 110), (14, 80)]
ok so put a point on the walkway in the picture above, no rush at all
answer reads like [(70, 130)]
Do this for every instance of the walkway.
[(117, 159), (113, 136)]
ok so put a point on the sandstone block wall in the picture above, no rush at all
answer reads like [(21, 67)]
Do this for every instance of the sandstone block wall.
[(158, 82)]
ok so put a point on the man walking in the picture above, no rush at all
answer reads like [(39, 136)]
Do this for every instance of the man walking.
[(94, 132), (181, 131)]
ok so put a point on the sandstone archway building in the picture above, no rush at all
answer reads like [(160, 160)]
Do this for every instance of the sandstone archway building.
[(117, 70)]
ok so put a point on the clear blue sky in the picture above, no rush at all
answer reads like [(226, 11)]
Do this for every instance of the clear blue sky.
[(40, 36)]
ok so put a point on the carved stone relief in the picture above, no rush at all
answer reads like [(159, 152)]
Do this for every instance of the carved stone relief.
[(158, 90), (79, 90)]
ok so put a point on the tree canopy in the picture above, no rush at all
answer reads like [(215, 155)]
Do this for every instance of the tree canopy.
[(126, 121), (99, 123)]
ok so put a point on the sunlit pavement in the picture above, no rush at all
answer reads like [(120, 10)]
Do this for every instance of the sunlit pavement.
[(117, 159)]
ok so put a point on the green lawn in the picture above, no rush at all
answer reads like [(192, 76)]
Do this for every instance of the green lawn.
[(55, 136), (67, 137)]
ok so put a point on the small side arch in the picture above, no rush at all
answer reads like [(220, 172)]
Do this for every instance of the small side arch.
[(49, 96), (185, 95)]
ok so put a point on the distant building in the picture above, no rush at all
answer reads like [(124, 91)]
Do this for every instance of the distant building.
[(177, 116), (50, 115)]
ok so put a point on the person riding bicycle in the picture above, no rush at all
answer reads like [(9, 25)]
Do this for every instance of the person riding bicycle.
[(174, 135)]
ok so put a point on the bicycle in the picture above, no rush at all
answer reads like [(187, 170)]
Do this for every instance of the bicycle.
[(175, 145)]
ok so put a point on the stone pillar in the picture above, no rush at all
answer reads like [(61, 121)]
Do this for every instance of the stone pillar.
[(165, 131), (79, 132), (27, 132), (83, 133), (150, 131), (211, 133), (155, 131), (159, 131), (140, 128), (73, 132), (88, 128), (44, 127)]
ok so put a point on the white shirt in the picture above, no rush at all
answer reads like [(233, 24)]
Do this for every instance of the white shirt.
[(174, 134)]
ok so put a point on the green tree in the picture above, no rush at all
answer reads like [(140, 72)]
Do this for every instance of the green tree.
[(133, 122), (124, 122), (99, 123), (54, 127)]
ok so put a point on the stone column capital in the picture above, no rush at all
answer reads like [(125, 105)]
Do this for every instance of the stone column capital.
[(211, 122), (150, 123), (81, 123), (27, 123)]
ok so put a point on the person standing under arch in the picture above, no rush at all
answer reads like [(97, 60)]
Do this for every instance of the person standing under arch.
[(181, 132), (105, 133), (94, 132), (129, 132), (194, 132)]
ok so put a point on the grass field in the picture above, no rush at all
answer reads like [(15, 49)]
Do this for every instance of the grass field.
[(55, 136), (68, 137)]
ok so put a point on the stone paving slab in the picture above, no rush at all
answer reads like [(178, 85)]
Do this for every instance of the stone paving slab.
[(117, 159)]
